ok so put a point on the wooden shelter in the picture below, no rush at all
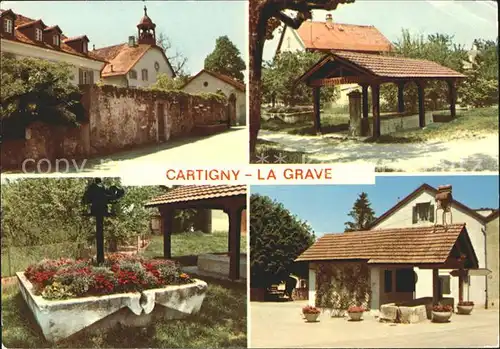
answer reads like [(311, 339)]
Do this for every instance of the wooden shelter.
[(431, 247), (232, 199), (369, 70)]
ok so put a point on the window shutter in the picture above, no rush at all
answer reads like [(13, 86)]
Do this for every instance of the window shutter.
[(431, 213), (80, 76), (414, 214)]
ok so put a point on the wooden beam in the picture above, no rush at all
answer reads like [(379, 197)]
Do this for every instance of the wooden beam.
[(452, 93), (234, 214), (364, 102), (435, 286), (317, 111), (376, 109), (401, 101), (167, 224), (421, 103), (337, 81)]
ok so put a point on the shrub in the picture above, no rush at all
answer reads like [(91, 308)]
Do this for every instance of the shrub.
[(466, 303), (355, 309), (57, 290), (310, 310), (442, 308)]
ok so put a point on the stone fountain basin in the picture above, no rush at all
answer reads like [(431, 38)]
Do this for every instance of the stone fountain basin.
[(59, 319)]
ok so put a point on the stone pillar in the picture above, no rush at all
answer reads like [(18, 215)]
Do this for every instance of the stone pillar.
[(312, 287), (355, 113), (375, 290)]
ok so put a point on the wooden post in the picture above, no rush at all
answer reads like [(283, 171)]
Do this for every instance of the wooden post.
[(99, 236), (435, 286), (461, 286), (452, 91), (421, 103), (376, 109), (168, 216), (234, 214), (364, 100), (317, 112), (401, 101)]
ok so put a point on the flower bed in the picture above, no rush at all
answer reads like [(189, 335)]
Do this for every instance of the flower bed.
[(68, 278), (66, 296)]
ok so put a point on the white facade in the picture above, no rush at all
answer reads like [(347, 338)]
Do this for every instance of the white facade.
[(207, 83), (152, 59), (87, 65), (475, 289)]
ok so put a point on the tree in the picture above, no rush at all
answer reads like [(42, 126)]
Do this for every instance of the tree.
[(362, 214), (166, 83), (277, 238), (177, 60), (480, 88), (226, 59), (438, 48), (264, 17), (278, 79), (37, 90)]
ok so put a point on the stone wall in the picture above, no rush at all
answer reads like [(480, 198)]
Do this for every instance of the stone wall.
[(395, 123), (118, 119)]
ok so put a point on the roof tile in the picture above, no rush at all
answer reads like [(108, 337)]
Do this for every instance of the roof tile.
[(198, 192)]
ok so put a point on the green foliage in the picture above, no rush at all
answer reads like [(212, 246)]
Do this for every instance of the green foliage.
[(37, 90), (480, 89), (279, 75), (166, 83), (362, 214), (57, 291), (226, 59), (277, 238)]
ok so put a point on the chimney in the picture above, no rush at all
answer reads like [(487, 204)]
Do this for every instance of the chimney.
[(444, 198), (93, 47), (329, 18), (131, 41)]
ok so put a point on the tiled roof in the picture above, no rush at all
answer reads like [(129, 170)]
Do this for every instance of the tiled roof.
[(22, 21), (339, 36), (198, 192), (227, 79), (420, 245), (397, 67), (122, 57)]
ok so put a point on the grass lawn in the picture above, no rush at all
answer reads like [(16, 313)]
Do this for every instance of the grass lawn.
[(221, 322), (195, 243), (329, 123), (466, 124)]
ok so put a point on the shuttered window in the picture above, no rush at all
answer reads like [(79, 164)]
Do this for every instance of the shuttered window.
[(144, 73), (38, 34), (7, 25), (86, 77), (423, 212)]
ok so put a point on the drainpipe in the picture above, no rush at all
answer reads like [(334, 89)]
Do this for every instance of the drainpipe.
[(485, 266)]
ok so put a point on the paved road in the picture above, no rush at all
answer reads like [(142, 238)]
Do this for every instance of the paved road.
[(280, 325), (478, 153)]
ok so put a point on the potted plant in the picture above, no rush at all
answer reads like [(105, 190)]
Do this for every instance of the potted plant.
[(311, 313), (465, 307), (441, 313), (355, 313)]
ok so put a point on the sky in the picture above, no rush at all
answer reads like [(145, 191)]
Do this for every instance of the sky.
[(192, 27), (325, 207), (466, 20)]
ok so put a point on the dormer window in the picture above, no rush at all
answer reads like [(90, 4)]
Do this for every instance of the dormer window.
[(38, 34), (56, 41), (8, 25), (85, 47), (423, 212)]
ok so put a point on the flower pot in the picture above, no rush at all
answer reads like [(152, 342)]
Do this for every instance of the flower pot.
[(441, 316), (311, 317), (355, 316), (464, 309)]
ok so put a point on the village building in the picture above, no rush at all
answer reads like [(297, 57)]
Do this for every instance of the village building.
[(26, 37), (428, 247), (207, 81), (136, 63), (328, 36)]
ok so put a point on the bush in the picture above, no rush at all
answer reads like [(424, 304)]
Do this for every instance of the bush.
[(65, 278)]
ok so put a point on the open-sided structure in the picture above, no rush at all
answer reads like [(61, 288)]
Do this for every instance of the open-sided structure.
[(385, 259), (229, 198), (368, 70)]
